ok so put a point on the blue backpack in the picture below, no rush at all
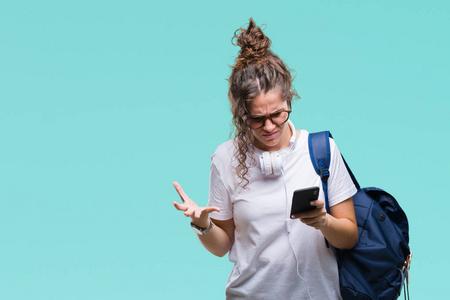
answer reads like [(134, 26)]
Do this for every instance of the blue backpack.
[(377, 266)]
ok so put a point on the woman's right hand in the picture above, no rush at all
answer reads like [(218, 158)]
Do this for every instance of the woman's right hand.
[(199, 215)]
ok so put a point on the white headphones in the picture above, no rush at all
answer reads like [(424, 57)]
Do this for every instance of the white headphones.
[(272, 162)]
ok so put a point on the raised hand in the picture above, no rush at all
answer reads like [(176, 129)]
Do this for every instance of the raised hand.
[(198, 214)]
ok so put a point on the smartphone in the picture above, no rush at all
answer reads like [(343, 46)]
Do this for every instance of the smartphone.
[(302, 198)]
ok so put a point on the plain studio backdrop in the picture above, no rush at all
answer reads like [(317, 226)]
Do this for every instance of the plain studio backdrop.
[(104, 103)]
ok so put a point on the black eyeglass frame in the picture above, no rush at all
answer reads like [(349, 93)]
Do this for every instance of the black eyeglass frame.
[(268, 117)]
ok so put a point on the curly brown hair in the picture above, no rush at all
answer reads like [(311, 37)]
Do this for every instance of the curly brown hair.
[(257, 71)]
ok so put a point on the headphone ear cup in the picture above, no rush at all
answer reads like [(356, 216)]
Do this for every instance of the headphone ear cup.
[(271, 163), (266, 163), (277, 164)]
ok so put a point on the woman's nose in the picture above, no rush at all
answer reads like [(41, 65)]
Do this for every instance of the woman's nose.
[(269, 125)]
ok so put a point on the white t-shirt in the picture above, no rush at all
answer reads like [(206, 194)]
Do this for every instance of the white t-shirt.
[(275, 257)]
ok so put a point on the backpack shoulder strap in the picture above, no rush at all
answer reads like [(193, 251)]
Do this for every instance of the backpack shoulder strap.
[(319, 151)]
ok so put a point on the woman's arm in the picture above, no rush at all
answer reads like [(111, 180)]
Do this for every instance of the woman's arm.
[(219, 239), (339, 228)]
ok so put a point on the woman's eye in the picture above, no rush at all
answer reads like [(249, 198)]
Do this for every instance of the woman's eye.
[(258, 119)]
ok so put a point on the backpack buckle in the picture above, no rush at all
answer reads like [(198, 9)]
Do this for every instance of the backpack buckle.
[(324, 174)]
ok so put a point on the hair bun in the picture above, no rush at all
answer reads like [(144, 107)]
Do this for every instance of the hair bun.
[(253, 42)]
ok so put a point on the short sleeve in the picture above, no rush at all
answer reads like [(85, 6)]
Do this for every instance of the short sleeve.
[(340, 184), (218, 194)]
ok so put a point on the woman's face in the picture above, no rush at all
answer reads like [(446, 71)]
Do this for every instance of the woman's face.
[(270, 137)]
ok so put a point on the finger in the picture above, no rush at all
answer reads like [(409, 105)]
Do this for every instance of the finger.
[(198, 213), (180, 191), (189, 212), (298, 216), (319, 206), (205, 211), (309, 222), (179, 206), (317, 224), (318, 203), (210, 209), (307, 214)]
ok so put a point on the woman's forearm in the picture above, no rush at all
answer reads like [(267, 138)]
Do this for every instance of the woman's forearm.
[(340, 228), (340, 233), (216, 240)]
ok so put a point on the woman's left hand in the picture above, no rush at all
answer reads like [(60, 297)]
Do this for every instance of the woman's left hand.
[(316, 218)]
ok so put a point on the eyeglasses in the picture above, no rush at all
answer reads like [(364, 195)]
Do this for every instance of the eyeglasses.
[(279, 117)]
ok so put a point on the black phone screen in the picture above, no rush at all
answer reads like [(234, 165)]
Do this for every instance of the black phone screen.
[(302, 198)]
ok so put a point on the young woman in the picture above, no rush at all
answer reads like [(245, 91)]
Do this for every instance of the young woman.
[(252, 180)]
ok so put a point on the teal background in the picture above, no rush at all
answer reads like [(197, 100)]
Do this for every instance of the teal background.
[(104, 103)]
